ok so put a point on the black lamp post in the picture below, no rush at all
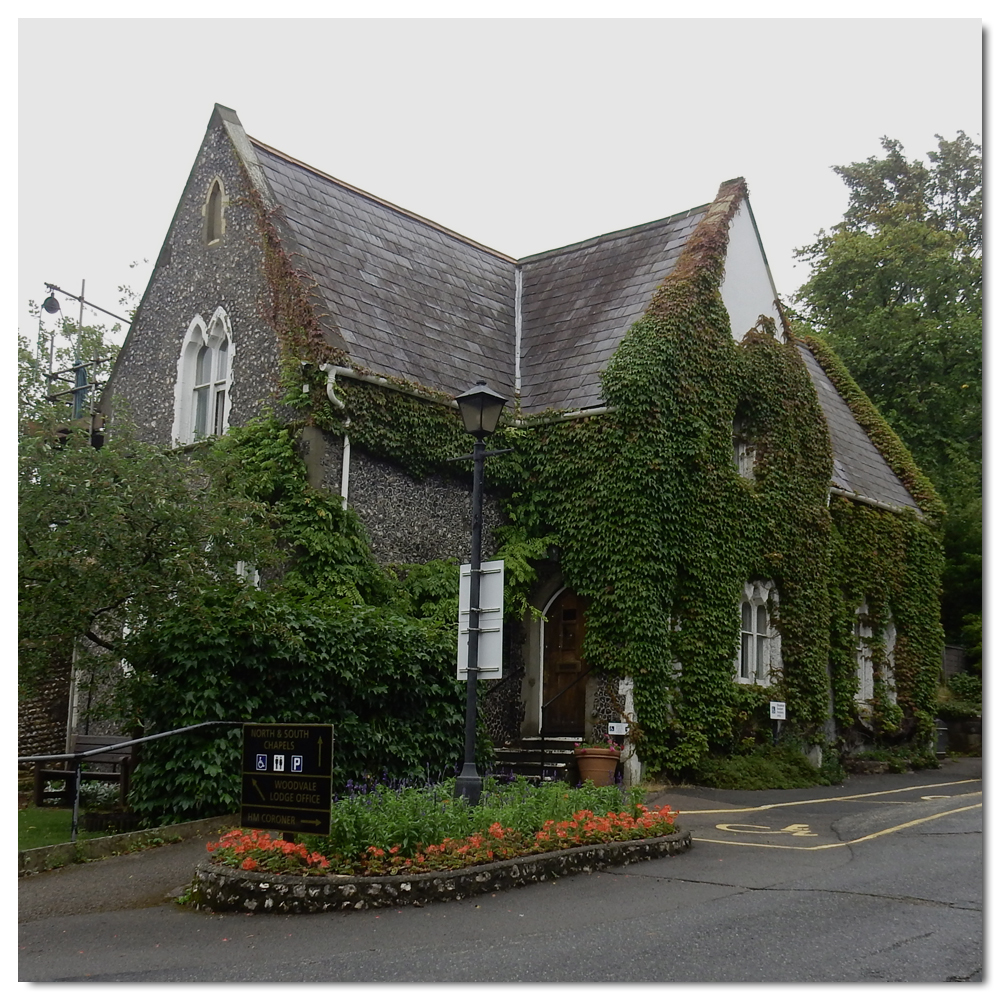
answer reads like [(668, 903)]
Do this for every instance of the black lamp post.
[(480, 407)]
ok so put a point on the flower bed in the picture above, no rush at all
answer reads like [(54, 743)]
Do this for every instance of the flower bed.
[(254, 850), (390, 845), (222, 888)]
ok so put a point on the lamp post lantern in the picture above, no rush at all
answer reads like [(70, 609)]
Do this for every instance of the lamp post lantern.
[(480, 408)]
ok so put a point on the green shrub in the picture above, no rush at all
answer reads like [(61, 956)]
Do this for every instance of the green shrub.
[(386, 682), (765, 767), (961, 698), (384, 815)]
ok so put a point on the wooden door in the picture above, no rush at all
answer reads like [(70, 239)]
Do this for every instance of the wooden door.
[(562, 665)]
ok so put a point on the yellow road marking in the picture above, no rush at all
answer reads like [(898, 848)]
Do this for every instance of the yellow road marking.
[(796, 829), (842, 843), (835, 798)]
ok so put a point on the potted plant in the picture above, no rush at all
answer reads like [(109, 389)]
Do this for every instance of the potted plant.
[(597, 760)]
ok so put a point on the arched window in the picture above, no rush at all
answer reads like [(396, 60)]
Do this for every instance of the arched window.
[(204, 373), (214, 209), (759, 656)]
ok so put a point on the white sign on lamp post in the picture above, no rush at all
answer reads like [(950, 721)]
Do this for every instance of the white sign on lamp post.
[(490, 620)]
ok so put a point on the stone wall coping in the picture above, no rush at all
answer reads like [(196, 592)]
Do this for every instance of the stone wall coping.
[(219, 888)]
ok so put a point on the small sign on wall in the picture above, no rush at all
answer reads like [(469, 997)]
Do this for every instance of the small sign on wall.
[(777, 710), (617, 729)]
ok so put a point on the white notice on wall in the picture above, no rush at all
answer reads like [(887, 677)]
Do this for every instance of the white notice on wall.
[(777, 709)]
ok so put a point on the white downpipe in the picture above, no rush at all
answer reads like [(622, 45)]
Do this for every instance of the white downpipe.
[(332, 371), (518, 283), (345, 472)]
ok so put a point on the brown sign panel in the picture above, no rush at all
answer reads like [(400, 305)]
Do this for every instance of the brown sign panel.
[(287, 777)]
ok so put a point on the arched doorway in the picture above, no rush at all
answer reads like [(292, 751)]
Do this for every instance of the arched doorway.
[(564, 688)]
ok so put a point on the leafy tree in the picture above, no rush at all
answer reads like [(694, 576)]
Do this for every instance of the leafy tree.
[(896, 288), (111, 538)]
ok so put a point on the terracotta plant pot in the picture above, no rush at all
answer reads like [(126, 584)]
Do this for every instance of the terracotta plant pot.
[(597, 764)]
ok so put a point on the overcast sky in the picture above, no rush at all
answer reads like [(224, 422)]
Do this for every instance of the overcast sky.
[(525, 135)]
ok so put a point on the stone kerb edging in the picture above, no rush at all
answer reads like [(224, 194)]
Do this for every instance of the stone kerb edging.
[(220, 888)]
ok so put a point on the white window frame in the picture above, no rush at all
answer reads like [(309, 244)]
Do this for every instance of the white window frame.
[(864, 669), (758, 654), (216, 338), (864, 661)]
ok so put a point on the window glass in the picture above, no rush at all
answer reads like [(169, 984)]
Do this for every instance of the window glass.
[(201, 412), (203, 368), (218, 422)]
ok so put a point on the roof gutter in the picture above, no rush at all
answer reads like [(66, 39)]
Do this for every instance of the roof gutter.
[(332, 371), (881, 504)]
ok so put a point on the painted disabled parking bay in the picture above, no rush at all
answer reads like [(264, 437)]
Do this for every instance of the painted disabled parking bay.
[(811, 824)]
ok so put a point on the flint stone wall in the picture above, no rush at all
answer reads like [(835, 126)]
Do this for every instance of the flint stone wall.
[(220, 888)]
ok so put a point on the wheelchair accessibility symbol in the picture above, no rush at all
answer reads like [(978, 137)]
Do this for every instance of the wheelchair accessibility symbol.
[(795, 830), (262, 762)]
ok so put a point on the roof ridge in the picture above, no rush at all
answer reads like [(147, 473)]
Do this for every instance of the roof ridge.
[(628, 230), (382, 201)]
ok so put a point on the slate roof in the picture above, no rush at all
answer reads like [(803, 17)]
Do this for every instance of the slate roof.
[(409, 298), (415, 300), (858, 466), (578, 301)]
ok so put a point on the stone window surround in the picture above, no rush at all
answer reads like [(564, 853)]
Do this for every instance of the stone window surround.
[(214, 212), (763, 644)]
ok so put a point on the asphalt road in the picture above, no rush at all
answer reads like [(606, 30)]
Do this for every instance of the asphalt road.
[(878, 880)]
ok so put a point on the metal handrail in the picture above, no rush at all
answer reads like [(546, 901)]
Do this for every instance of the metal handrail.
[(79, 756)]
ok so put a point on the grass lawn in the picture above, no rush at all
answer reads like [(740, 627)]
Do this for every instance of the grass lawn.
[(42, 827)]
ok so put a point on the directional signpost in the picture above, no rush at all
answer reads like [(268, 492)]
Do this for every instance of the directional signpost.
[(287, 777)]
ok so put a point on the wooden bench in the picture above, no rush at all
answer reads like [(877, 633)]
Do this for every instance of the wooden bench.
[(122, 761)]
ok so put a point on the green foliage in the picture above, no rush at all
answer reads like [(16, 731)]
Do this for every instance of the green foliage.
[(383, 816), (961, 698), (110, 538), (901, 759), (386, 682), (656, 527), (972, 636), (323, 547), (63, 346), (896, 289), (428, 590), (764, 767)]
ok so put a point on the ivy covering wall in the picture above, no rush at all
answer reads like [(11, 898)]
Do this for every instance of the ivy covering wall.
[(655, 526)]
